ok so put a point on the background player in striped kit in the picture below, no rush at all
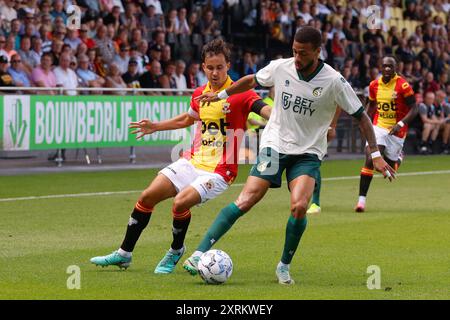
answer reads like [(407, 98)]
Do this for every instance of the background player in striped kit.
[(392, 106)]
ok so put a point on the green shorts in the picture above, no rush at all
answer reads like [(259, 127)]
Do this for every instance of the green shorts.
[(271, 164)]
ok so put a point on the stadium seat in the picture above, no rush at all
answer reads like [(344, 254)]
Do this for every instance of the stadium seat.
[(397, 13), (400, 24), (409, 25)]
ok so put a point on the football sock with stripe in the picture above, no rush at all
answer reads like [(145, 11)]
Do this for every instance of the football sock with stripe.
[(224, 220), (138, 221), (294, 231), (180, 226), (365, 180)]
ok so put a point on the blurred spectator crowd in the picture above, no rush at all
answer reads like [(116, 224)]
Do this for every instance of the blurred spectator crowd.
[(157, 44)]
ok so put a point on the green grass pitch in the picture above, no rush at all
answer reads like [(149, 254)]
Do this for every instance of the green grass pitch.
[(405, 232)]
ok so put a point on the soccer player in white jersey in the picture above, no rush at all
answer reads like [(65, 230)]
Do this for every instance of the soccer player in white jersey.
[(307, 92)]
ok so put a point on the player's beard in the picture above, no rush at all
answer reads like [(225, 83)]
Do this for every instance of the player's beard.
[(306, 68)]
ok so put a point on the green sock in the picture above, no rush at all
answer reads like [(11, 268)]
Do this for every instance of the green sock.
[(224, 220), (316, 193), (294, 231)]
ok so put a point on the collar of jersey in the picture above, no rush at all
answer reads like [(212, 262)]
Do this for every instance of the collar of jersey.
[(227, 83), (394, 78)]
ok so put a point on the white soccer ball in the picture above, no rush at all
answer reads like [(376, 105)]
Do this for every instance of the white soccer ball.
[(215, 266)]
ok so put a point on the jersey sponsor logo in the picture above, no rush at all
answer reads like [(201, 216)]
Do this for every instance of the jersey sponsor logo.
[(214, 127), (317, 92), (286, 97), (300, 105), (386, 106)]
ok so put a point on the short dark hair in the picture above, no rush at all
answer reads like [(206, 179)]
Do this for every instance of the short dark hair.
[(308, 34), (389, 56), (215, 47)]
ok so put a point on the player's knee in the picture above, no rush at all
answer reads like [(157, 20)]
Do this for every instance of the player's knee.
[(146, 199), (299, 207), (245, 202), (179, 205)]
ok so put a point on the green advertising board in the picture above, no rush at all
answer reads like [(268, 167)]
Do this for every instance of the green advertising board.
[(37, 122)]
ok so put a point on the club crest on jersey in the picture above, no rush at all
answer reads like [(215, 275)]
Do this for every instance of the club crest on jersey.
[(394, 95), (262, 166), (226, 108), (286, 83), (317, 92)]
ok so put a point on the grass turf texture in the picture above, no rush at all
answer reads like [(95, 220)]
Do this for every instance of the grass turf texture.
[(405, 231)]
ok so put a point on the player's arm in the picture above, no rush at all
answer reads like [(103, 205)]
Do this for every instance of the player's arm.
[(378, 162), (371, 108), (346, 98), (243, 84), (145, 126), (412, 113), (262, 109), (331, 134)]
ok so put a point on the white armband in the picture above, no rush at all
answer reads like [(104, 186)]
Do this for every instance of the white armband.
[(401, 124), (375, 154), (223, 95)]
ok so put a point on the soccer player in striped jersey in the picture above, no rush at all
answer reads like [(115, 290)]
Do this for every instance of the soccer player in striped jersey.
[(205, 171), (392, 106), (307, 91)]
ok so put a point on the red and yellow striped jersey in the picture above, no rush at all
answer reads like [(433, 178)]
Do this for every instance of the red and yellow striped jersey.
[(392, 102), (219, 131)]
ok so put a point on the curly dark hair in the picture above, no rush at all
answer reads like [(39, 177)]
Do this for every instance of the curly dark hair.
[(215, 47), (307, 34)]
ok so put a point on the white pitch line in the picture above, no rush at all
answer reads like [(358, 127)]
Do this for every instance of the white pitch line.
[(93, 194)]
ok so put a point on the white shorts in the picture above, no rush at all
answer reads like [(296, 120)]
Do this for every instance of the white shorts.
[(182, 174), (392, 145)]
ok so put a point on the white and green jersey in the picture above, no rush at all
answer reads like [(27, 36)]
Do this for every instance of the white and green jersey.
[(303, 108)]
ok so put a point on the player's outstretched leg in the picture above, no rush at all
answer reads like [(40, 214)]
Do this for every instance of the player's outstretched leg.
[(160, 189), (139, 219)]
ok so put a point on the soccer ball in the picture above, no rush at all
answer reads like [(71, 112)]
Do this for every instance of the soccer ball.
[(215, 266)]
